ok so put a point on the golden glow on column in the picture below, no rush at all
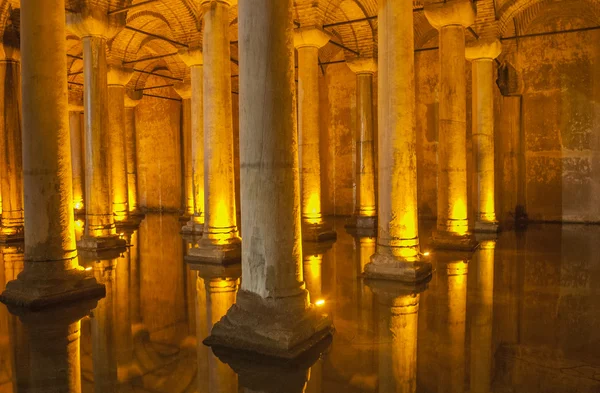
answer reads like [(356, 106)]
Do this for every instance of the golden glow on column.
[(458, 226), (367, 249), (403, 326), (312, 210), (312, 267), (320, 303)]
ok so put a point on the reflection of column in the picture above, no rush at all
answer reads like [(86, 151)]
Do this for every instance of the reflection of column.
[(272, 314), (308, 41), (184, 90), (132, 98), (220, 241), (398, 238), (482, 320), (134, 279), (49, 236), (482, 56), (365, 247), (451, 18), (77, 162), (365, 212), (193, 58), (117, 79), (312, 268), (11, 146), (7, 371)]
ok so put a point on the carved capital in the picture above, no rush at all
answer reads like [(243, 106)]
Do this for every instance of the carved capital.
[(93, 20), (483, 49), (132, 98), (184, 89), (363, 65), (119, 76), (311, 37), (452, 12), (192, 56)]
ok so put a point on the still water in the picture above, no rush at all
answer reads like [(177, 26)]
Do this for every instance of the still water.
[(523, 315)]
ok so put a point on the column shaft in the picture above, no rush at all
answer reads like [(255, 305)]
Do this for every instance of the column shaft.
[(131, 158), (188, 177), (197, 143), (365, 149), (452, 143), (11, 154), (77, 163), (99, 217), (118, 160)]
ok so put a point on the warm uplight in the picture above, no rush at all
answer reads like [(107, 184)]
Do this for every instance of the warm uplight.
[(87, 269), (78, 205), (312, 210), (79, 224), (320, 303), (426, 253)]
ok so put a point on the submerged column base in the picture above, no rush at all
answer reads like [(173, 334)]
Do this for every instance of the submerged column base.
[(444, 240), (390, 267), (277, 327), (210, 251), (486, 227), (361, 222), (89, 243), (47, 288), (317, 232)]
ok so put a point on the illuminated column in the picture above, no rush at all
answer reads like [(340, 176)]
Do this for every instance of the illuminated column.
[(365, 214), (193, 59), (451, 18), (10, 145), (220, 241), (117, 79), (272, 314), (77, 162), (308, 41), (95, 28), (482, 57), (132, 98), (397, 256), (184, 89), (50, 235), (482, 320)]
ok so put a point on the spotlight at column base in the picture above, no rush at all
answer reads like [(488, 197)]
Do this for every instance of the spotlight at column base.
[(389, 267), (443, 240), (317, 232), (276, 327), (486, 227), (361, 222), (216, 252), (44, 291), (89, 243), (12, 234)]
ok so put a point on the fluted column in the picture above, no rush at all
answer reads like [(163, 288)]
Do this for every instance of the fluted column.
[(365, 210), (132, 99), (272, 290), (451, 18), (95, 28), (184, 89), (50, 235), (308, 41), (220, 241), (77, 159), (398, 250), (193, 58), (11, 146), (482, 55), (118, 77)]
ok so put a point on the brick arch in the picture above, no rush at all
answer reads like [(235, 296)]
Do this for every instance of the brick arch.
[(360, 36)]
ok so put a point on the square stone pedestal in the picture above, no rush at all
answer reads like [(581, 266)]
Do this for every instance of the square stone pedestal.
[(88, 243), (275, 327), (128, 224), (192, 229), (317, 232), (486, 227), (450, 241), (12, 235), (389, 267), (361, 222), (211, 252), (48, 288)]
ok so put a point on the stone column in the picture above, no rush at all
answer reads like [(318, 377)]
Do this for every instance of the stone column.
[(118, 77), (95, 28), (77, 160), (272, 308), (193, 58), (132, 98), (451, 18), (11, 146), (184, 90), (308, 41), (482, 55), (220, 241), (398, 251), (51, 270), (365, 214)]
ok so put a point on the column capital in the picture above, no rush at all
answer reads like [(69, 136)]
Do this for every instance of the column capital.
[(184, 89), (75, 101), (206, 3), (119, 76), (192, 56), (363, 65), (132, 98), (10, 48), (312, 36), (94, 21), (483, 49), (452, 12)]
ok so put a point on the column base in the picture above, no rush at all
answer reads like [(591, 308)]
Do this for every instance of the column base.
[(137, 213), (89, 243), (12, 235), (193, 229), (211, 252), (281, 327), (361, 222), (35, 293), (443, 240), (317, 232), (389, 267), (129, 223), (486, 227)]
